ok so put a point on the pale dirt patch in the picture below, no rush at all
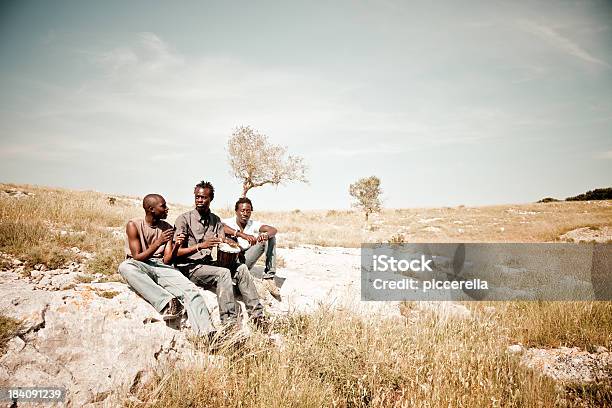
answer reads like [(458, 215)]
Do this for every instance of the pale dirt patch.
[(588, 234), (325, 275)]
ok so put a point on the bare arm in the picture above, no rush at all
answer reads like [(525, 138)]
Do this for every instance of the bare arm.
[(233, 232), (268, 232), (171, 250), (134, 242)]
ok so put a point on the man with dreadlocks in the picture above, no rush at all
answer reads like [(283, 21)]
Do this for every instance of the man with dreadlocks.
[(204, 230)]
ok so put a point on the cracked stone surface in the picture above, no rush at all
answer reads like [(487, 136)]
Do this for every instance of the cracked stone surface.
[(89, 344), (570, 365)]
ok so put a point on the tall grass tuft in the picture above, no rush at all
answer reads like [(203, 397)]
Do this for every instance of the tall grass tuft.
[(336, 358), (9, 328), (43, 226)]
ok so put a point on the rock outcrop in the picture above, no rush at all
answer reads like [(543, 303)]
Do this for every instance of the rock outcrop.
[(98, 340), (94, 339)]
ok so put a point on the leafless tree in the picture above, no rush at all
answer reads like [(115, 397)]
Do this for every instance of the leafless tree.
[(367, 193), (256, 162)]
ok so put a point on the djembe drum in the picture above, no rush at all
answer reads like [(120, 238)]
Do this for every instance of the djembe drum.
[(227, 255)]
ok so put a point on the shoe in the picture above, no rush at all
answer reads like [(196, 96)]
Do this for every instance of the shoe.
[(272, 288), (268, 274), (173, 310)]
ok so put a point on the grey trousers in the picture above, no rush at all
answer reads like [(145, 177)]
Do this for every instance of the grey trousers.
[(158, 283), (210, 275), (268, 247)]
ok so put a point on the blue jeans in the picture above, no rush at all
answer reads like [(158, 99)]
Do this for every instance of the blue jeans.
[(158, 283), (268, 247)]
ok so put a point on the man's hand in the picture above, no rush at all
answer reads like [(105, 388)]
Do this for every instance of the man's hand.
[(211, 242), (230, 242), (180, 239), (263, 237), (252, 240), (165, 237)]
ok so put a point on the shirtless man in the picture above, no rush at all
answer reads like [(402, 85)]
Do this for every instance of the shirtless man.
[(149, 250)]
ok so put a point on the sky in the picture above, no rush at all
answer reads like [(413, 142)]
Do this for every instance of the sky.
[(448, 103)]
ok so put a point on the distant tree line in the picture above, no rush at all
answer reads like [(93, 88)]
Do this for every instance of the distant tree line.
[(597, 194)]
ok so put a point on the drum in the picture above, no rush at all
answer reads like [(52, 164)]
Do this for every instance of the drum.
[(227, 255)]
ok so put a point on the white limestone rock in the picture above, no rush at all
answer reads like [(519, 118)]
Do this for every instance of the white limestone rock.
[(92, 345)]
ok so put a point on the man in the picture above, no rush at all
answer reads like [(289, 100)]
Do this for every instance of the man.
[(260, 239), (149, 248), (204, 231)]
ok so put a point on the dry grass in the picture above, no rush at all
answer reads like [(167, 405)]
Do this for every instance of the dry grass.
[(9, 328), (502, 223), (108, 294), (336, 358), (84, 278), (42, 226), (332, 357), (553, 324)]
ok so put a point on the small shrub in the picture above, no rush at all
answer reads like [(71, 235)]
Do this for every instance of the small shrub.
[(18, 235), (49, 255), (9, 328), (5, 264), (84, 278), (108, 294), (112, 278), (107, 261), (397, 239), (548, 200)]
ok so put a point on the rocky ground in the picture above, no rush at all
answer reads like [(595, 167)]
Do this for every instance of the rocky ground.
[(100, 339), (588, 234)]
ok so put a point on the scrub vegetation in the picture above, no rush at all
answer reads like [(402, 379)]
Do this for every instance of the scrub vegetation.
[(333, 357), (336, 358)]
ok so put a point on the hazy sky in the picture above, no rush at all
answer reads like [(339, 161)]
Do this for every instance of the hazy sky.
[(448, 103)]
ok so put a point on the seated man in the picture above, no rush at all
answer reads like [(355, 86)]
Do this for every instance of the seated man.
[(205, 231), (261, 238), (149, 248)]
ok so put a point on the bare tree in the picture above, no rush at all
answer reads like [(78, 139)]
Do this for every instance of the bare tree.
[(367, 191), (257, 162)]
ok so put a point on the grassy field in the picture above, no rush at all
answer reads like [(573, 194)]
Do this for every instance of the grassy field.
[(503, 223), (333, 357)]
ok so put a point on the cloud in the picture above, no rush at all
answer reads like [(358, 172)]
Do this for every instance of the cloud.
[(560, 42), (150, 88), (143, 93)]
